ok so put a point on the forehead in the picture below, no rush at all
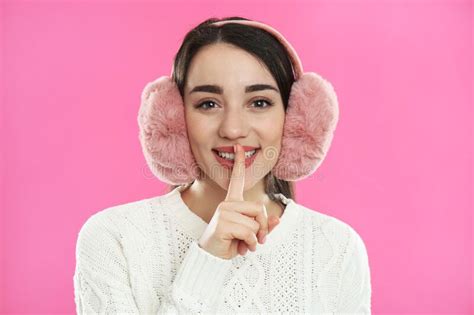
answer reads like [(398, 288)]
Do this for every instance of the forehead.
[(228, 66)]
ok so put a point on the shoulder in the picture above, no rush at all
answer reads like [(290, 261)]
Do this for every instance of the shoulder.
[(339, 252), (131, 219), (115, 213), (338, 234)]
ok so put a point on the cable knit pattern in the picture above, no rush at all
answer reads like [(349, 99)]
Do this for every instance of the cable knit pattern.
[(143, 258)]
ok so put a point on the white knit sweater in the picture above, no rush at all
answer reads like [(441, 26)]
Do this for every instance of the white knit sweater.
[(142, 257)]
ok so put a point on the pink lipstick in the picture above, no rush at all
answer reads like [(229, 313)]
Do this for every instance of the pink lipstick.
[(227, 163)]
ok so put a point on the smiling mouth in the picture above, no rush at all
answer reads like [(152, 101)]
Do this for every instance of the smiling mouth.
[(231, 156)]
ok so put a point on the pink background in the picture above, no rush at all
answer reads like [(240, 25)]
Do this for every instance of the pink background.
[(399, 169)]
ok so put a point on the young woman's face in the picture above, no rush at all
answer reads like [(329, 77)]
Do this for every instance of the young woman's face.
[(220, 118)]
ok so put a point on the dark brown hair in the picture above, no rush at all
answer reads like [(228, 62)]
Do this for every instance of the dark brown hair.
[(261, 44)]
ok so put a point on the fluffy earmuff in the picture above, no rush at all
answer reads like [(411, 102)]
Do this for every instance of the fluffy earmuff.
[(310, 121)]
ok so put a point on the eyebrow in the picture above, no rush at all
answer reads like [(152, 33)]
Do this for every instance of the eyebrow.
[(219, 90)]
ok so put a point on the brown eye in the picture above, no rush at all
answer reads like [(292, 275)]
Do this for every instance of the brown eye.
[(207, 105), (201, 105), (260, 101)]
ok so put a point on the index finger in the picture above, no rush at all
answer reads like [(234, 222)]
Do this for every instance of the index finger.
[(235, 192)]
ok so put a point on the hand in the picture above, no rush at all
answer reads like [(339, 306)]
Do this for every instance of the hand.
[(272, 222), (234, 227)]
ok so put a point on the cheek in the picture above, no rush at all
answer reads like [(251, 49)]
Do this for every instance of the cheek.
[(270, 129), (200, 134), (270, 133), (195, 128)]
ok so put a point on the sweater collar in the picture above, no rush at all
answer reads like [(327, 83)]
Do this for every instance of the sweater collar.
[(196, 226)]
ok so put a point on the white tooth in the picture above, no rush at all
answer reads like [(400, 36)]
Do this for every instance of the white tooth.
[(226, 155), (231, 156)]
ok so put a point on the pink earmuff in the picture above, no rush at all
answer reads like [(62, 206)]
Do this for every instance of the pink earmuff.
[(310, 121)]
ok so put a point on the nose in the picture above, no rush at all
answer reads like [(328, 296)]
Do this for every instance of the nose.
[(234, 124)]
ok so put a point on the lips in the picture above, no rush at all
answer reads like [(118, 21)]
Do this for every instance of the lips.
[(229, 164), (230, 149)]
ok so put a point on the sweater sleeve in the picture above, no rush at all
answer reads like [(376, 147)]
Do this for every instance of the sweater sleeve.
[(355, 286), (102, 280)]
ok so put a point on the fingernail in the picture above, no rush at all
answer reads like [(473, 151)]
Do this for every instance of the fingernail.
[(264, 239)]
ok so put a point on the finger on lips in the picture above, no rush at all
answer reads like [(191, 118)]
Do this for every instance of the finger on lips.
[(235, 192)]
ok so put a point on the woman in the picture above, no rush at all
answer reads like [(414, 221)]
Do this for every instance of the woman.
[(232, 131)]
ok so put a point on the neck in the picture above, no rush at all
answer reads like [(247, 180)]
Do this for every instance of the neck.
[(203, 197)]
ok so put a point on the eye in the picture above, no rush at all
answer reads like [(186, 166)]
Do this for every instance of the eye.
[(200, 105), (269, 103), (204, 105)]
